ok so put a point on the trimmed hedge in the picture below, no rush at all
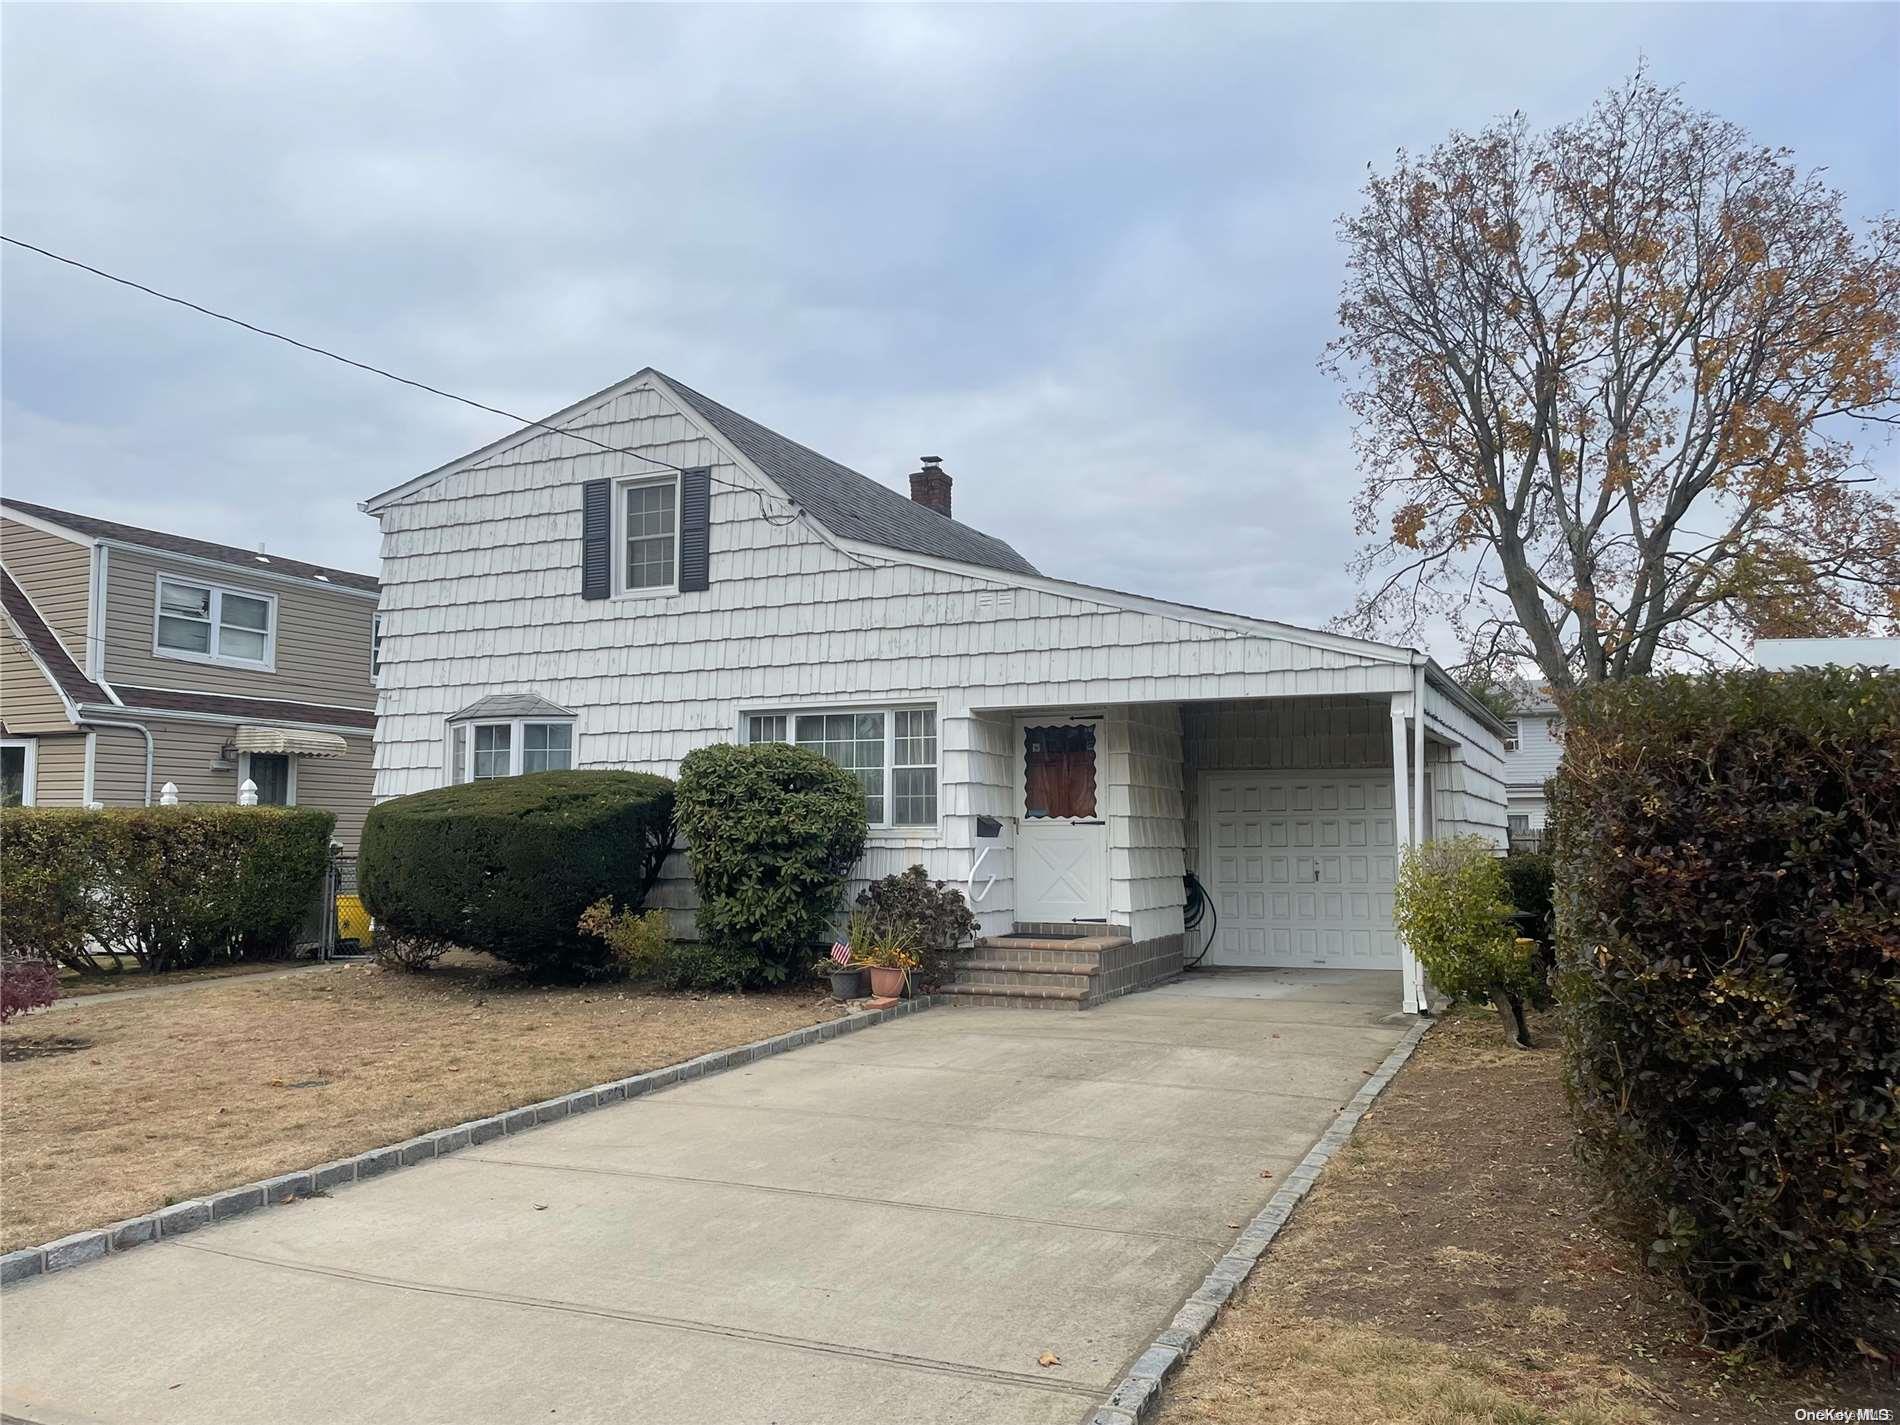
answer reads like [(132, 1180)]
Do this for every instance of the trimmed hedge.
[(771, 831), (1728, 908), (508, 865), (169, 887)]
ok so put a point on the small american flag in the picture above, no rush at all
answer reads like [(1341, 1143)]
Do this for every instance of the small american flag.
[(841, 952)]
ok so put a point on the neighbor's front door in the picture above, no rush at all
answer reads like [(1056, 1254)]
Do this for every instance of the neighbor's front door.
[(1062, 844)]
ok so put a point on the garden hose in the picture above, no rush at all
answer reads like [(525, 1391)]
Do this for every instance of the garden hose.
[(1199, 905)]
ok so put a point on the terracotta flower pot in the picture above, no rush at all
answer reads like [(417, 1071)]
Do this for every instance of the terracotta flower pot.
[(887, 981)]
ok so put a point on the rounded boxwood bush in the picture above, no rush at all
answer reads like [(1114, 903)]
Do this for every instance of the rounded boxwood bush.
[(771, 832), (508, 865), (1728, 924)]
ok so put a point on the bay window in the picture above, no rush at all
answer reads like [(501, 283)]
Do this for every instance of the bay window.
[(481, 751)]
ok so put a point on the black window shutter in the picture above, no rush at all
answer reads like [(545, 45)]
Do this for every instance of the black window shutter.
[(695, 530), (597, 539)]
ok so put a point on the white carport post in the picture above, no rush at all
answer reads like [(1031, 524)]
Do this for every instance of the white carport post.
[(1402, 833)]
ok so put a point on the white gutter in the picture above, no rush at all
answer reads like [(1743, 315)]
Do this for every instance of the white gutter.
[(151, 750)]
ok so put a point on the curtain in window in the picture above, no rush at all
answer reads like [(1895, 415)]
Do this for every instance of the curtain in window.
[(1059, 771)]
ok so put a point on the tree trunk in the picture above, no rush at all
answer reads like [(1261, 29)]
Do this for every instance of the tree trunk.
[(1510, 1007)]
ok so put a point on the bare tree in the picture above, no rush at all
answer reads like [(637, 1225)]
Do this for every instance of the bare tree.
[(1607, 383)]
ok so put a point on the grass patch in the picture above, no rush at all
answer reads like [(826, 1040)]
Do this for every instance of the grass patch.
[(174, 1096), (1449, 1269)]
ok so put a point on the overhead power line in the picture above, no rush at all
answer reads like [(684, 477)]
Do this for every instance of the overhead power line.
[(765, 510)]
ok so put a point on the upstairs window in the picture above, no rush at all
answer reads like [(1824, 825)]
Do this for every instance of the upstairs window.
[(649, 534), (206, 623)]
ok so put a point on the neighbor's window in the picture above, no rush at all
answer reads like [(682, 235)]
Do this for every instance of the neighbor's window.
[(375, 647), (16, 774), (1510, 734), (480, 751), (1518, 825), (204, 621), (891, 751), (649, 526)]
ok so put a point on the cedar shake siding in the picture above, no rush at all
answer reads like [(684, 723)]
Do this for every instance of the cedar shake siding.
[(483, 594), (56, 574)]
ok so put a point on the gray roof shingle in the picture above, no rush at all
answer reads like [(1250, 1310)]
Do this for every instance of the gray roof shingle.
[(200, 548), (509, 705), (850, 505)]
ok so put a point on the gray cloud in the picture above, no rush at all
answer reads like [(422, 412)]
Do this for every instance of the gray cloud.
[(1084, 253)]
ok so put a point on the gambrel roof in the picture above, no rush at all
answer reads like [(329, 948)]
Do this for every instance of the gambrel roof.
[(45, 646)]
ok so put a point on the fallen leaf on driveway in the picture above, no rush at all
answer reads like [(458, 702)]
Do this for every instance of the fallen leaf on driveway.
[(1233, 1224), (1048, 1358), (1266, 1172)]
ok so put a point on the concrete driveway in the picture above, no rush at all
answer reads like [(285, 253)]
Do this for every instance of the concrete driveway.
[(889, 1227)]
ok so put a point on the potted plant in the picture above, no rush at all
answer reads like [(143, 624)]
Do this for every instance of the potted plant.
[(891, 963), (844, 972)]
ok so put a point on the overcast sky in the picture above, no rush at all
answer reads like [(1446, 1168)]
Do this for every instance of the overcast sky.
[(1085, 254)]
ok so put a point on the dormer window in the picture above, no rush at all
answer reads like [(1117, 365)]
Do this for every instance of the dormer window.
[(207, 623)]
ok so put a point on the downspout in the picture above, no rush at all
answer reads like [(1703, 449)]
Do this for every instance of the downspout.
[(151, 747), (1424, 989)]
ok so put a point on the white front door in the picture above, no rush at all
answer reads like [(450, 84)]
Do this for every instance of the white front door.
[(1303, 869), (1062, 840)]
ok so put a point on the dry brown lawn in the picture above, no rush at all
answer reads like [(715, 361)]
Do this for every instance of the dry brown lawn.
[(1448, 1269), (111, 1109), (73, 985)]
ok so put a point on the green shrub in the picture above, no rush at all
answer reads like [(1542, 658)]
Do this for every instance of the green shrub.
[(49, 869), (169, 887), (1728, 910), (1450, 907), (926, 916), (638, 940), (705, 969), (507, 866), (771, 832), (1528, 879), (411, 954)]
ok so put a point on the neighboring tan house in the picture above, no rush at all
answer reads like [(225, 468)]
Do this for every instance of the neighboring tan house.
[(134, 658), (1066, 753), (1533, 746)]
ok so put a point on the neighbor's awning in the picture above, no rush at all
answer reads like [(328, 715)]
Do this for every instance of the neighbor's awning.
[(293, 741)]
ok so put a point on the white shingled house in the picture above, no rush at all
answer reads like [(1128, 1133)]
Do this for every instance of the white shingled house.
[(673, 574)]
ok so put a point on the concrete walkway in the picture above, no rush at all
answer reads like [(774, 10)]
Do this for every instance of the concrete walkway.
[(888, 1228)]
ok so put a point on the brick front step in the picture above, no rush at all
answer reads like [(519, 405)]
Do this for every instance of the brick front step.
[(1008, 974), (1013, 997)]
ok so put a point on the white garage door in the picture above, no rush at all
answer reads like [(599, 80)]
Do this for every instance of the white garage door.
[(1303, 869)]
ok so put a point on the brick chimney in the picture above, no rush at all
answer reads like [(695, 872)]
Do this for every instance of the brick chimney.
[(930, 486)]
